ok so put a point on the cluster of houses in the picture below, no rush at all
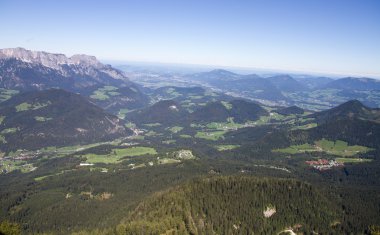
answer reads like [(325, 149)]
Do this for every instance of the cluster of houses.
[(324, 164)]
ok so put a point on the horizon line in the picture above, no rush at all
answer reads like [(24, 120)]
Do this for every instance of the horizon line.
[(118, 62)]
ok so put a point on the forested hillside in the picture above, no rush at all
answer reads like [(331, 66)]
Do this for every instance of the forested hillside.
[(233, 205)]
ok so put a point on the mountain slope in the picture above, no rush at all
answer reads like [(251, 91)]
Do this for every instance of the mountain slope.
[(286, 83), (24, 70), (352, 109), (168, 112), (256, 87), (215, 76), (243, 111), (163, 112), (54, 117), (352, 83), (233, 205), (353, 131), (211, 112), (290, 110), (252, 85), (240, 110), (313, 82)]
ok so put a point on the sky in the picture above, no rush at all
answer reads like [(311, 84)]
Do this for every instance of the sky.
[(316, 36)]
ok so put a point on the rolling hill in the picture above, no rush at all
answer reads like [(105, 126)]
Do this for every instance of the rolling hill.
[(290, 110), (163, 112), (352, 109), (168, 112)]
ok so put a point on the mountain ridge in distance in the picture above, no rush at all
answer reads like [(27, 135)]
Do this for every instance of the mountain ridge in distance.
[(24, 70), (354, 83), (47, 59), (85, 69)]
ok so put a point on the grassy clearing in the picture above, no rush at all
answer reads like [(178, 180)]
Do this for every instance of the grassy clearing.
[(42, 119), (176, 129), (2, 140), (151, 133), (113, 93), (263, 120), (212, 135), (352, 160), (9, 130), (224, 125), (305, 127), (63, 151), (6, 94), (339, 148), (117, 154), (185, 136), (46, 176), (137, 137), (12, 165), (196, 97), (227, 105), (122, 113), (152, 124), (99, 95), (169, 141), (23, 107), (27, 106), (104, 93), (294, 149), (226, 147), (172, 92), (130, 125)]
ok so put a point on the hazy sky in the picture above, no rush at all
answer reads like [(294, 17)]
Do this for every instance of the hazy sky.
[(332, 36)]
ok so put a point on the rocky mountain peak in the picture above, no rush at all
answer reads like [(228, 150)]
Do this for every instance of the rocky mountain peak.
[(51, 60), (85, 60)]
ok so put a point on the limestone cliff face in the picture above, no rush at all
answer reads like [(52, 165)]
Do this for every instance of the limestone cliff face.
[(21, 68)]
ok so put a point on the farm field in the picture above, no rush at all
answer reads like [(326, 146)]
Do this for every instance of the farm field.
[(339, 148), (352, 160), (210, 135), (117, 154), (104, 93)]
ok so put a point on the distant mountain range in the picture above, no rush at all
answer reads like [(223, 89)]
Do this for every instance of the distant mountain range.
[(246, 85), (315, 93), (352, 83)]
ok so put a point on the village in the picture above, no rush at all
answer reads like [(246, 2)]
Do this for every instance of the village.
[(324, 164)]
